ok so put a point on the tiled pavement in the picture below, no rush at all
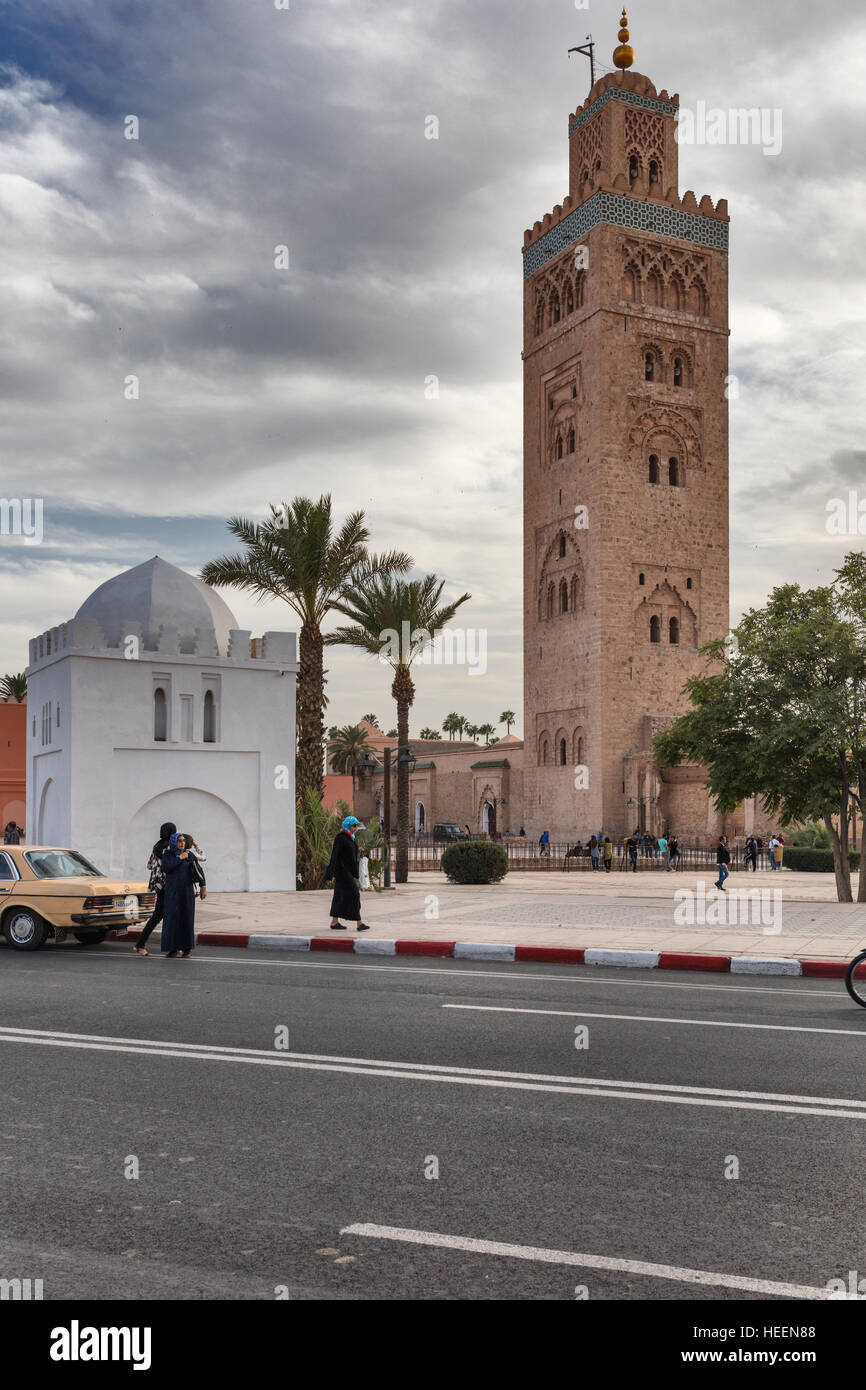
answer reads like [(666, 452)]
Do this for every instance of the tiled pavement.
[(620, 912)]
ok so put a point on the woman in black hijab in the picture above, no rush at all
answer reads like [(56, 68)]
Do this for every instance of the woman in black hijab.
[(156, 884), (182, 870)]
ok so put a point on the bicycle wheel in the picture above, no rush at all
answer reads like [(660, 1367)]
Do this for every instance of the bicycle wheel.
[(855, 979)]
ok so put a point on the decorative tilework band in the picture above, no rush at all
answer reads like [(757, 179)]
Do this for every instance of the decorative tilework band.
[(623, 211), (664, 108)]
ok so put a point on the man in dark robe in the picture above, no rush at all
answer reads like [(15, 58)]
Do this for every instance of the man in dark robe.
[(343, 869)]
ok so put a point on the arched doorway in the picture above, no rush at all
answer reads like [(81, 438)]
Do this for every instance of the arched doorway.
[(420, 818), (488, 818)]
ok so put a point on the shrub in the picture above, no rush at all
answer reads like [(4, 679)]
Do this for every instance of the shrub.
[(475, 861), (812, 836), (316, 828), (815, 861)]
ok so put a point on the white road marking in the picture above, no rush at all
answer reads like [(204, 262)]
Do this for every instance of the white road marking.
[(540, 1255), (832, 1107), (641, 1018), (354, 964)]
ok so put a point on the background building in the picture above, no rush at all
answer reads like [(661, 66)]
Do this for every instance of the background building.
[(151, 705)]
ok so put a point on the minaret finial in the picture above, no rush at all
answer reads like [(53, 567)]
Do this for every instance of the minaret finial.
[(623, 57)]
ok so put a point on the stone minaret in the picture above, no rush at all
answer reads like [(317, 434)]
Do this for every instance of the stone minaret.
[(625, 468)]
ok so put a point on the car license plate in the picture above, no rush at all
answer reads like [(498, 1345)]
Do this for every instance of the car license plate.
[(120, 904)]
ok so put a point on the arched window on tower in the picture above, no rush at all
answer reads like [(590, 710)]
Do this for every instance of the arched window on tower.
[(674, 466), (655, 630), (209, 732), (654, 468), (570, 440), (545, 756), (563, 753), (560, 447), (675, 632), (643, 579), (650, 367), (563, 597), (678, 371), (160, 715), (555, 313), (569, 298), (633, 168), (689, 584), (562, 547), (654, 171)]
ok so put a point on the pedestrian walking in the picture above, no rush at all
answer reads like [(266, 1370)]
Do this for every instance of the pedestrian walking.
[(674, 852), (544, 842), (632, 845), (11, 834), (155, 884), (608, 854), (751, 857), (595, 853), (665, 854), (723, 859), (181, 869), (344, 869)]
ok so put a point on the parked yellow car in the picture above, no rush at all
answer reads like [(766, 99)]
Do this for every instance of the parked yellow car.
[(50, 892)]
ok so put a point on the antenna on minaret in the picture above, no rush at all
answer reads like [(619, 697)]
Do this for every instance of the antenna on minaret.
[(588, 48)]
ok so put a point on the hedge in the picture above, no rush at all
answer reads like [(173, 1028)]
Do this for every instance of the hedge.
[(815, 861), (475, 861)]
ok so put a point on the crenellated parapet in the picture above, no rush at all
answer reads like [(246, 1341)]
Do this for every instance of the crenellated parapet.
[(84, 637)]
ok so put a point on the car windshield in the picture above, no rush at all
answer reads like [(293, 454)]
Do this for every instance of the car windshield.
[(60, 863)]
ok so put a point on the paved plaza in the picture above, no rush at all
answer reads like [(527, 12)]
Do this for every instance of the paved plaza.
[(620, 912)]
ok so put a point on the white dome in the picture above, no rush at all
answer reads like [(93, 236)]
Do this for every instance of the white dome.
[(157, 594)]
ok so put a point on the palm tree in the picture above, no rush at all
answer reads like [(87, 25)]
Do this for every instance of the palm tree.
[(372, 719), (395, 619), (13, 688), (451, 725), (295, 555), (487, 730), (392, 733), (508, 717), (347, 747), (429, 734), (462, 724), (472, 731)]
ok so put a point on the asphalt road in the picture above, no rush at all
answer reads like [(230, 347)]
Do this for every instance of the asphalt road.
[(287, 1119)]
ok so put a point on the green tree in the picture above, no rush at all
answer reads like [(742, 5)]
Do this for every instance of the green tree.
[(296, 555), (392, 733), (780, 712), (316, 828), (13, 689), (371, 719), (347, 747), (430, 734), (395, 620), (487, 730), (472, 731), (508, 717), (451, 725)]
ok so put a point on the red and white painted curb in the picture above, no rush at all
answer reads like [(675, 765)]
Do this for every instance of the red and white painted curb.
[(547, 955)]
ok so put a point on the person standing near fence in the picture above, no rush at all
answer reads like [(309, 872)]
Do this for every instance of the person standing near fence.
[(632, 846), (595, 853), (663, 851), (608, 854), (674, 853)]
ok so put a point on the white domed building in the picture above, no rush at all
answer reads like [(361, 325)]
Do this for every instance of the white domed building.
[(152, 705)]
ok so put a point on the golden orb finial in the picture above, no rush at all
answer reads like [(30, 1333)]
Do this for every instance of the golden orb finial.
[(623, 57)]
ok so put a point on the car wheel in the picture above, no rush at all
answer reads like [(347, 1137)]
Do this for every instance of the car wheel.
[(24, 929), (91, 938)]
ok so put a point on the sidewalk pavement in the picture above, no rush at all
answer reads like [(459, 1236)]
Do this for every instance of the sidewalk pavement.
[(790, 919)]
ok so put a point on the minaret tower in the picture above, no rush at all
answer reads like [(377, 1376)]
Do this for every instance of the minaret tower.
[(625, 467)]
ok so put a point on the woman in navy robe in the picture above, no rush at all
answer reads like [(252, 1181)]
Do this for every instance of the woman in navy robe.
[(178, 923)]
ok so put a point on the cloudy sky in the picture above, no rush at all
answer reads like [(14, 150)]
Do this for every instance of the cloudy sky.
[(305, 126)]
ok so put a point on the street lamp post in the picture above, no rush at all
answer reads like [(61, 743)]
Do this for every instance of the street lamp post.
[(386, 824)]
